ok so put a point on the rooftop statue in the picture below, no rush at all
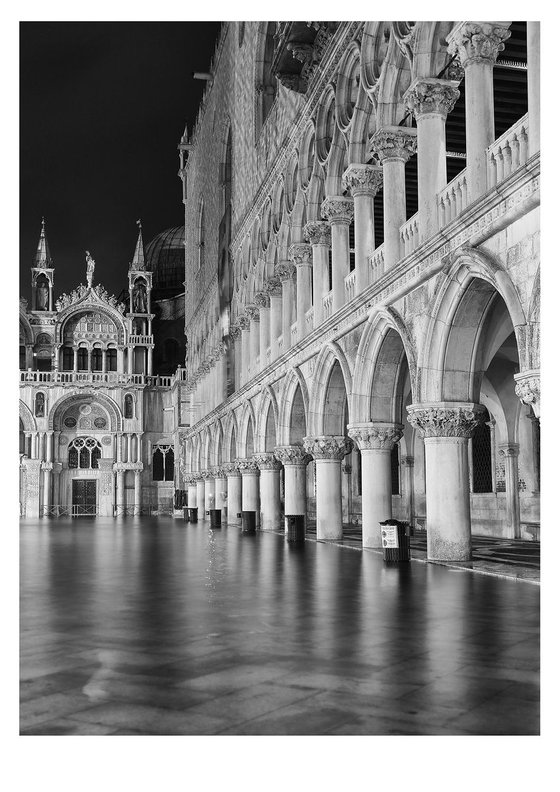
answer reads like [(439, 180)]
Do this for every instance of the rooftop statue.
[(90, 267)]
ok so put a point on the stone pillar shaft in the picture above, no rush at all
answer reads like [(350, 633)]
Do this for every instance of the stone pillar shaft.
[(318, 233), (137, 491), (209, 493), (363, 181), (510, 454), (234, 495), (301, 255), (275, 323), (295, 461), (191, 495), (200, 498), (534, 85), (328, 452), (269, 491), (120, 490), (338, 210)]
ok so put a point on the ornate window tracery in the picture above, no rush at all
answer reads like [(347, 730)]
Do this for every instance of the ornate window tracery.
[(163, 463), (84, 452)]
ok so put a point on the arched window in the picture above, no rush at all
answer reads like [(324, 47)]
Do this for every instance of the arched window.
[(40, 405), (163, 463), (96, 359), (482, 458), (82, 359), (67, 358), (128, 406), (84, 452), (111, 356), (201, 233)]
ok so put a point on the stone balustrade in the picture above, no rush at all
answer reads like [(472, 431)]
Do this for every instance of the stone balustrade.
[(509, 152), (97, 378), (452, 199), (140, 339), (410, 235), (377, 263), (350, 285)]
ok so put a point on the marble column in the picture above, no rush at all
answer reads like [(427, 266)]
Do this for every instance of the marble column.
[(273, 288), (318, 234), (407, 463), (509, 452), (150, 359), (137, 491), (269, 467), (233, 491), (250, 486), (121, 504), (209, 490), (106, 487), (47, 487), (300, 254), (57, 470), (119, 443), (254, 337), (200, 488), (477, 45), (262, 299), (220, 491), (243, 323), (375, 441), (534, 85), (328, 451), (430, 100), (295, 461), (33, 478), (528, 389), (393, 147), (363, 182), (446, 428), (285, 271), (338, 211), (191, 492)]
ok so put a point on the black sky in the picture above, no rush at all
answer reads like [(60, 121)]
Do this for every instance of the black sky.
[(102, 108)]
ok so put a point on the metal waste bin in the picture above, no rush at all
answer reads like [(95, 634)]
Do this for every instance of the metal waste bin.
[(215, 518), (248, 521), (295, 527), (193, 514), (395, 540)]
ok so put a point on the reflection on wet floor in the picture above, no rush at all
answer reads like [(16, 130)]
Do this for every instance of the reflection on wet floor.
[(155, 626)]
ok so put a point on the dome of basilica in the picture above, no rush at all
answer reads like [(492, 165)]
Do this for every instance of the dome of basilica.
[(165, 257)]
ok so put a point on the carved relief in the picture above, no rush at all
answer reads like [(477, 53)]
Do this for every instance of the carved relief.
[(378, 436), (394, 143), (429, 95), (301, 254), (317, 232), (292, 455), (266, 461), (338, 209), (284, 270), (328, 446), (445, 421), (477, 41), (363, 179)]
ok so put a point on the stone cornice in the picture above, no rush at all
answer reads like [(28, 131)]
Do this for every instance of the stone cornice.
[(292, 455), (445, 419), (375, 435), (328, 446)]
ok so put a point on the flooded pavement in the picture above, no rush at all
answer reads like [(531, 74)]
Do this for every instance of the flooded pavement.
[(156, 626)]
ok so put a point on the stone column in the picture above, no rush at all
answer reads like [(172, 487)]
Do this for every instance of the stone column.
[(318, 234), (295, 461), (49, 448), (139, 446), (200, 492), (262, 299), (150, 359), (233, 491), (75, 365), (254, 342), (363, 182), (243, 324), (33, 474), (393, 146), (106, 487), (121, 505), (431, 100), (220, 491), (328, 451), (528, 389), (130, 357), (284, 271), (271, 518), (338, 211), (375, 441), (274, 290), (119, 436), (250, 486), (137, 492), (129, 447), (191, 492), (534, 85), (300, 254), (209, 490), (510, 453), (47, 487), (57, 469), (446, 428), (477, 45), (407, 463)]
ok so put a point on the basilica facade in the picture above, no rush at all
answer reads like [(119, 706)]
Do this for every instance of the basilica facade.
[(362, 279)]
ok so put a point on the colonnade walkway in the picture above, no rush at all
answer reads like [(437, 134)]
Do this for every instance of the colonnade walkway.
[(146, 625)]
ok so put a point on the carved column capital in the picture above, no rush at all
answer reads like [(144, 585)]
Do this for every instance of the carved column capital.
[(284, 270), (247, 466), (338, 209), (190, 480), (363, 179), (328, 446), (252, 312), (267, 461), (375, 436), (445, 419), (509, 450), (430, 96), (292, 455), (262, 299), (196, 477), (206, 474), (231, 469), (317, 232), (528, 389), (218, 471), (301, 254), (474, 42), (243, 322), (394, 143), (273, 287)]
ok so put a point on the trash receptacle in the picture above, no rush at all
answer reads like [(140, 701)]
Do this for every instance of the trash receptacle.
[(295, 527), (395, 540), (215, 518), (193, 514), (248, 521), (185, 514)]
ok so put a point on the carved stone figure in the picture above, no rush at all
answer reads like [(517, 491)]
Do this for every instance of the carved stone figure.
[(139, 303), (90, 267)]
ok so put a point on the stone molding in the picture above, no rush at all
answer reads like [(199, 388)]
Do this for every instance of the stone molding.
[(231, 469), (328, 446), (284, 270), (301, 254), (247, 466), (509, 450), (317, 232), (430, 96), (394, 143), (262, 299), (362, 179), (292, 455), (105, 464), (267, 461), (338, 209), (375, 436), (528, 389), (476, 42), (445, 419)]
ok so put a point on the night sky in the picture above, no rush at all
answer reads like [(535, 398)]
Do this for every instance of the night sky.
[(103, 106)]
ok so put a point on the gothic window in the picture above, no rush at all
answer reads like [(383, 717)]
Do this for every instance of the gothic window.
[(482, 458), (40, 405), (67, 358), (395, 477), (128, 406), (163, 463), (201, 233), (352, 243), (96, 359), (111, 359), (84, 452), (82, 359)]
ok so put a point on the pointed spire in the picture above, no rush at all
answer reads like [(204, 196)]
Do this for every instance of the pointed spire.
[(43, 258), (139, 262)]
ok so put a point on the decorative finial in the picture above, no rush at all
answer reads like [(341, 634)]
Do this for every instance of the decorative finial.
[(43, 257), (138, 260), (139, 224), (90, 266)]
